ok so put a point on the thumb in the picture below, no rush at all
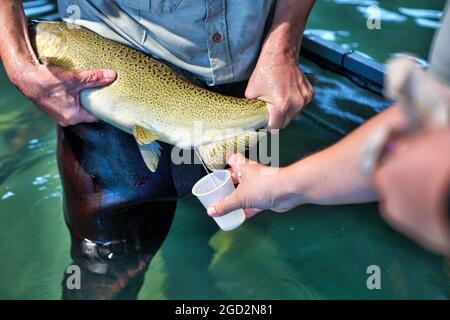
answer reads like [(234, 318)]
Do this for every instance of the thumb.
[(95, 78), (230, 203)]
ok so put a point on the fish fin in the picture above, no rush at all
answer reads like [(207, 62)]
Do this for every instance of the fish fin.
[(144, 136), (215, 155), (149, 148), (62, 62), (150, 153)]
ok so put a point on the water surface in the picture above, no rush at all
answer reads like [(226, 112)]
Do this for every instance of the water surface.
[(312, 252)]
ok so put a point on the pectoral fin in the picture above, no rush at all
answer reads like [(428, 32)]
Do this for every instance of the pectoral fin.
[(149, 148), (144, 136), (215, 155), (59, 61)]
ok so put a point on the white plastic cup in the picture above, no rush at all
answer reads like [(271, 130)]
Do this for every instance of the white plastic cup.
[(214, 187)]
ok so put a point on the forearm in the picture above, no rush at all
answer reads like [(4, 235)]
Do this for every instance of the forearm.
[(289, 21), (15, 48), (334, 176)]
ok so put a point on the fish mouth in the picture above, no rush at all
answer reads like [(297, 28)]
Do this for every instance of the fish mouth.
[(33, 24), (48, 38)]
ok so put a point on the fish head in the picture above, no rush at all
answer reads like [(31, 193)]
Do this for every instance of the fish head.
[(49, 39)]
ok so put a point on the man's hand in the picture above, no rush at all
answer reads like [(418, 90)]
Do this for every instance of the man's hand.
[(260, 188), (53, 89), (277, 79), (279, 82), (413, 181), (56, 90)]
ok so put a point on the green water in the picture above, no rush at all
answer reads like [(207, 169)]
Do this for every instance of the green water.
[(406, 25), (312, 252)]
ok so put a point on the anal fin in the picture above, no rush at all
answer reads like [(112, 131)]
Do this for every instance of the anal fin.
[(148, 146), (215, 155)]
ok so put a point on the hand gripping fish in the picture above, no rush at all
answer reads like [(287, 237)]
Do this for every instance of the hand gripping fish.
[(151, 101)]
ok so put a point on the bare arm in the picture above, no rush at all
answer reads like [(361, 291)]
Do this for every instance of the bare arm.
[(286, 33), (330, 177), (335, 176), (277, 80), (53, 89), (15, 47)]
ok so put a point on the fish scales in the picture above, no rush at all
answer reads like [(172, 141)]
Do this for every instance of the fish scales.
[(147, 93)]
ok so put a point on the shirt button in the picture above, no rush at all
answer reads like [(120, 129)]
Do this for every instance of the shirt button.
[(217, 37)]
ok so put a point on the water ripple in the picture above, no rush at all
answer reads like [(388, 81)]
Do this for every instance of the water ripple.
[(386, 15), (427, 23), (8, 195), (421, 13)]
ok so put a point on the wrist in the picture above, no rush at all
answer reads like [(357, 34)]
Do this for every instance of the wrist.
[(283, 42), (303, 181), (17, 69), (290, 190), (279, 52)]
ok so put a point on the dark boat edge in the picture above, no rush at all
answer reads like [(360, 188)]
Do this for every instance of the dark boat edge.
[(363, 71)]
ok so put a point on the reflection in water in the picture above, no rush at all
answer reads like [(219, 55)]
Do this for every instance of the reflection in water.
[(358, 2), (427, 23), (328, 35), (7, 195), (116, 269), (421, 13), (269, 278), (385, 15), (398, 17), (312, 252)]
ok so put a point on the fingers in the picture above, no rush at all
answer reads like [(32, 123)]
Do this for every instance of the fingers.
[(74, 113), (282, 113), (307, 90), (276, 117), (249, 213), (298, 102), (234, 176), (230, 203), (94, 78), (238, 165), (236, 160), (234, 201)]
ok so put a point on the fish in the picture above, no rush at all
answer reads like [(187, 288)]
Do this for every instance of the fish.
[(150, 100)]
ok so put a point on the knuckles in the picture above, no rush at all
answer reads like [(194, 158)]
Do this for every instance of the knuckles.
[(298, 101)]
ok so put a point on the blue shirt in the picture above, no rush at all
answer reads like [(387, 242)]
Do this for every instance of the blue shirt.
[(217, 40)]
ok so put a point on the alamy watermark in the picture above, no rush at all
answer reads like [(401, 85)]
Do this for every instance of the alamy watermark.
[(73, 281), (228, 141), (73, 14), (374, 280), (373, 17)]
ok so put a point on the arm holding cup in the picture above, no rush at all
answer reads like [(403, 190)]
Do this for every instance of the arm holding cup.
[(330, 177), (410, 171)]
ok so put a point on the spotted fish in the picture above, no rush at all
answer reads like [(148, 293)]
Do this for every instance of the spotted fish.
[(150, 100)]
